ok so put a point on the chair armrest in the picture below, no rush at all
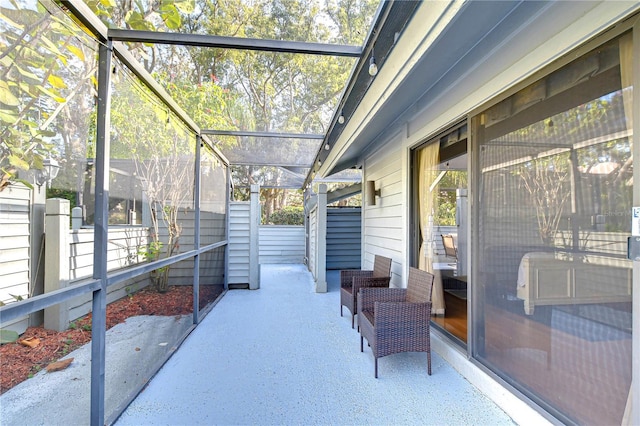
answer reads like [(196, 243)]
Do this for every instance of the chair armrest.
[(369, 295), (402, 314), (366, 282), (347, 275)]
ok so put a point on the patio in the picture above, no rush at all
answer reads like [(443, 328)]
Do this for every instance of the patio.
[(283, 355)]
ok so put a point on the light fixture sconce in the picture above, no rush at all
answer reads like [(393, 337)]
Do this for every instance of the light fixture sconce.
[(371, 192), (49, 171), (373, 68), (341, 117)]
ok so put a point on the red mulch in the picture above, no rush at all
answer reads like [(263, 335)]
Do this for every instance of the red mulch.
[(18, 362)]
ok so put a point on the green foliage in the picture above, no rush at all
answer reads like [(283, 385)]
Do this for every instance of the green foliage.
[(65, 194), (34, 370), (152, 251), (290, 215), (8, 336), (446, 213), (47, 69), (205, 102), (18, 297), (140, 15)]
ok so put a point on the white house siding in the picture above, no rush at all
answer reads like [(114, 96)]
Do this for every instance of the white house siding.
[(281, 244), (561, 29), (443, 104), (14, 248), (239, 222), (384, 230)]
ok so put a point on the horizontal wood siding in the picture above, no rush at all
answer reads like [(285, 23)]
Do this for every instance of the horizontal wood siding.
[(343, 238), (123, 250), (281, 244), (212, 267), (14, 249), (383, 231), (238, 264)]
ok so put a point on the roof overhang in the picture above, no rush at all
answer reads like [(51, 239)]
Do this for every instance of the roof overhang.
[(443, 44)]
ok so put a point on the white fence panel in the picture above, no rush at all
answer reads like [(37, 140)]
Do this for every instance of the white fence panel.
[(15, 249), (282, 244), (239, 229)]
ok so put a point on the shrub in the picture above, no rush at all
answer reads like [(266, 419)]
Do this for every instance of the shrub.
[(291, 215)]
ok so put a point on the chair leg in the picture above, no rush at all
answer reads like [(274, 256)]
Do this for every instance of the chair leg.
[(340, 310), (429, 362), (361, 338), (376, 364), (352, 322)]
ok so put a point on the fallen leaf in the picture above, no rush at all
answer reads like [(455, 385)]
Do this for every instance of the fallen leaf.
[(59, 365), (31, 342), (137, 349)]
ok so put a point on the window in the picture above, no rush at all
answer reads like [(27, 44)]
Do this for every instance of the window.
[(554, 195)]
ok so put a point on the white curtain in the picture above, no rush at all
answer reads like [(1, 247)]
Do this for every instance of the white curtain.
[(427, 174)]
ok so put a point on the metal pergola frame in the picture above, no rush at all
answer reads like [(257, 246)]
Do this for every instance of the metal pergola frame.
[(261, 45), (111, 43)]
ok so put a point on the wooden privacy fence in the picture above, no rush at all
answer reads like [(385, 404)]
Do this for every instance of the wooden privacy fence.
[(69, 258)]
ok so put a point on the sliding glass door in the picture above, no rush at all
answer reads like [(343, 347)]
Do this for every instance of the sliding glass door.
[(553, 192), (440, 212)]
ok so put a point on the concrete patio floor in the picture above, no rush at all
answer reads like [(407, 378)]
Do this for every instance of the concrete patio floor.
[(283, 355)]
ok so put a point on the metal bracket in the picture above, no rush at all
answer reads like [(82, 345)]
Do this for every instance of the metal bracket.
[(633, 248)]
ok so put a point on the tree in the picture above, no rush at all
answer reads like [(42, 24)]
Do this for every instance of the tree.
[(163, 153), (275, 91), (47, 70), (547, 179)]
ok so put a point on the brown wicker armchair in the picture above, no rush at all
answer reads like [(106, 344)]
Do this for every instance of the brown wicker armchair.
[(351, 280), (397, 319)]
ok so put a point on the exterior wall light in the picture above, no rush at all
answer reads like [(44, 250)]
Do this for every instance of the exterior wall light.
[(49, 171), (373, 68)]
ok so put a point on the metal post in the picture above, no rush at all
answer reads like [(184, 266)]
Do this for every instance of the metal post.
[(227, 210), (196, 230), (254, 238), (98, 319), (321, 240)]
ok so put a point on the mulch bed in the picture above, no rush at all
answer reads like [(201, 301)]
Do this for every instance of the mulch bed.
[(19, 362)]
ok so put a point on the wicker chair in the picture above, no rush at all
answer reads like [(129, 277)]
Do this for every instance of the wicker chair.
[(351, 280), (397, 319), (450, 249)]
